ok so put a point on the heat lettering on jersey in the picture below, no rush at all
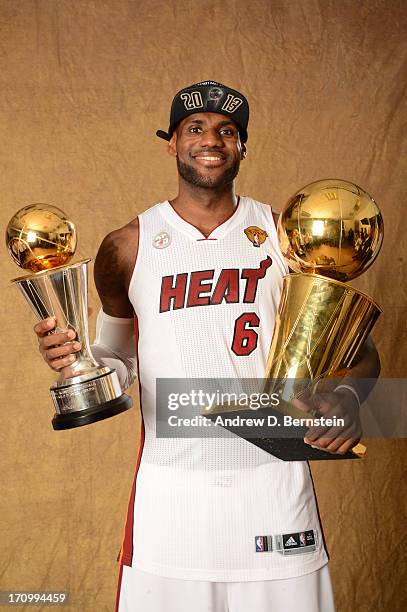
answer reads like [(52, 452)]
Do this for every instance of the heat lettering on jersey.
[(203, 291), (198, 288), (252, 277)]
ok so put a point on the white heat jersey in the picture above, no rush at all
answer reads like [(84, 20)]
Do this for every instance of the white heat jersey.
[(216, 509)]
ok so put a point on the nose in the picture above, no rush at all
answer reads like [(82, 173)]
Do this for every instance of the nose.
[(211, 138)]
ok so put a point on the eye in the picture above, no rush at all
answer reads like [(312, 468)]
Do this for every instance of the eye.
[(228, 131), (193, 129)]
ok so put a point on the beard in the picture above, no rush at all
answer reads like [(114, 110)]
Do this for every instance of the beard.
[(193, 177)]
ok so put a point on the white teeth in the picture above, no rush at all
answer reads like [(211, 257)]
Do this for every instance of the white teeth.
[(210, 158)]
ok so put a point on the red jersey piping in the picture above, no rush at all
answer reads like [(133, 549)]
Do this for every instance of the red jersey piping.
[(136, 259), (126, 553), (275, 216), (119, 584), (215, 228), (125, 556)]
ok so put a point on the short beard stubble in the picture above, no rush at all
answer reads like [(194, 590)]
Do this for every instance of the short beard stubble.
[(193, 177)]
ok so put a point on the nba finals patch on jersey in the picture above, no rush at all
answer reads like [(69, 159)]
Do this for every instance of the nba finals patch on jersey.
[(256, 235)]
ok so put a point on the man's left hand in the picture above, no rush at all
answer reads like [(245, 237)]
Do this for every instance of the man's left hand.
[(341, 404)]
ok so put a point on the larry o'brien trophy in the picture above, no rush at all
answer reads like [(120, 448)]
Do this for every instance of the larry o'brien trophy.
[(330, 231), (42, 240)]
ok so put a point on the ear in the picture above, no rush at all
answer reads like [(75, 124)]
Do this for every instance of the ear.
[(172, 145), (243, 154)]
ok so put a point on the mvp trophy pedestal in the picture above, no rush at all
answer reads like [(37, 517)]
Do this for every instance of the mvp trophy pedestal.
[(93, 391), (39, 237)]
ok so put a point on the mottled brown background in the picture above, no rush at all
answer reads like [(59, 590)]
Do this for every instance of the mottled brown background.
[(84, 84)]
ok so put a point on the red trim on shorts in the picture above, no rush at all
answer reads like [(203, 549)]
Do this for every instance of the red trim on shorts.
[(119, 584), (125, 556), (197, 228)]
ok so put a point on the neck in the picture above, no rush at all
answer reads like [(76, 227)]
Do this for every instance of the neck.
[(205, 208)]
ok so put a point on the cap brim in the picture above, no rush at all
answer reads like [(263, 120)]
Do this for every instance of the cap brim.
[(162, 134)]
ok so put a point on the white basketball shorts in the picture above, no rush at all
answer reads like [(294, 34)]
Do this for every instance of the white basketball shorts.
[(144, 592)]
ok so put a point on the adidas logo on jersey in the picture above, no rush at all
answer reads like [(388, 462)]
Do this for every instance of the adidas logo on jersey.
[(290, 542), (297, 543)]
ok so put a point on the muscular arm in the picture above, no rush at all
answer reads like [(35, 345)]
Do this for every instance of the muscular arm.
[(115, 344), (365, 370), (114, 266)]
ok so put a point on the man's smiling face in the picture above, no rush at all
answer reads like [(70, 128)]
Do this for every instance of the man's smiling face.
[(208, 150)]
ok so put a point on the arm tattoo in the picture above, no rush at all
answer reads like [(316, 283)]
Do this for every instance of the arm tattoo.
[(113, 267), (109, 271)]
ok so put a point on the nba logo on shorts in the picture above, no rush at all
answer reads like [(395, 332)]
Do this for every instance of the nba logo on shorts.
[(259, 544), (302, 539)]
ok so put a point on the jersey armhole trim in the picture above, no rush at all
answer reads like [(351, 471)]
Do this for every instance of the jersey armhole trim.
[(274, 220), (275, 217), (137, 259)]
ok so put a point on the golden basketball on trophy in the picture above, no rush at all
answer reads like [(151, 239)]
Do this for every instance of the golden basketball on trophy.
[(330, 231), (41, 239)]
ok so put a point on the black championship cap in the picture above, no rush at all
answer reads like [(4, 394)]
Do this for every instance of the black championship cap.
[(208, 97)]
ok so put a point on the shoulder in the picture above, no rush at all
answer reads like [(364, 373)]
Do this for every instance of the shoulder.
[(266, 209), (116, 256), (121, 242), (119, 247), (120, 237)]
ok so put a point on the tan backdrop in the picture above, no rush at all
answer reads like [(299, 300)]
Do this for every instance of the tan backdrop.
[(84, 86)]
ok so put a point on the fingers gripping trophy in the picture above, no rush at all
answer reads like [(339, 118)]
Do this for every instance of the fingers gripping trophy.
[(42, 240)]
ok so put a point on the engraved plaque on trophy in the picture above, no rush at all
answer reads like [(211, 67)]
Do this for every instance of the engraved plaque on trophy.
[(42, 240)]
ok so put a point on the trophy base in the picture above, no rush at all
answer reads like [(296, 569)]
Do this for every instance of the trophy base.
[(287, 447), (91, 415), (293, 449)]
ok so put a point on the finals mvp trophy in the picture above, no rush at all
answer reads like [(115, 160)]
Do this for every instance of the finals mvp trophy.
[(42, 240), (330, 231)]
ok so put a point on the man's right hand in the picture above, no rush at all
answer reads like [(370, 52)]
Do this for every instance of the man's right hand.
[(58, 349)]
